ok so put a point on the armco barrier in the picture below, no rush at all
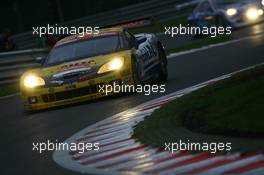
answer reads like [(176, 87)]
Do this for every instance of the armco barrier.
[(159, 10), (13, 64)]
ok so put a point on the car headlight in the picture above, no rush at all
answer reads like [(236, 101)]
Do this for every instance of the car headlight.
[(260, 12), (262, 2), (231, 12), (31, 81), (252, 14), (115, 64)]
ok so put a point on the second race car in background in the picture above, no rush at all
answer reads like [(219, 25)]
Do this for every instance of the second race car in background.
[(233, 13), (78, 65)]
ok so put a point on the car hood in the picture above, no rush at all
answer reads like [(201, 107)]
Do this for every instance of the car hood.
[(84, 66)]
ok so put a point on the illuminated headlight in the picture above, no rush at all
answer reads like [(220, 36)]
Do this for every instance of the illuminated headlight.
[(262, 2), (32, 81), (252, 14), (115, 64), (231, 12), (260, 11)]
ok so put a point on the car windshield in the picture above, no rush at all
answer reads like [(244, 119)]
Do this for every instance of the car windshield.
[(221, 3), (83, 49)]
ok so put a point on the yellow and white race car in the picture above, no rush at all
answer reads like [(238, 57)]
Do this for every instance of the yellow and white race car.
[(77, 65)]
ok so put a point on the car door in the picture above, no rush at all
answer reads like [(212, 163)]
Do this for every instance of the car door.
[(148, 54)]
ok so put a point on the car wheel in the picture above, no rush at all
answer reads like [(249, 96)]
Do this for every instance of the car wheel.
[(136, 72), (163, 68), (220, 22)]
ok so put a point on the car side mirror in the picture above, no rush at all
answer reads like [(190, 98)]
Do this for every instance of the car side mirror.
[(141, 39), (40, 60)]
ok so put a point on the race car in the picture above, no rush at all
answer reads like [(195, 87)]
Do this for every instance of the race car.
[(233, 13), (77, 66)]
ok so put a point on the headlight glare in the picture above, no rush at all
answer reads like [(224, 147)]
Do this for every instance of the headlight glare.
[(252, 14), (32, 81), (231, 12), (115, 64), (260, 12), (262, 2)]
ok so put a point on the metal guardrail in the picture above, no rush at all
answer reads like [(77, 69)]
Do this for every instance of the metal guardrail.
[(149, 9), (13, 64)]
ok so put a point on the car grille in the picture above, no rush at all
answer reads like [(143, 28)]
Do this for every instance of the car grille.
[(69, 94)]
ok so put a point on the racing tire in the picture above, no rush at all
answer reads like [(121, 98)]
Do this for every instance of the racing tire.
[(220, 21), (163, 68), (136, 72)]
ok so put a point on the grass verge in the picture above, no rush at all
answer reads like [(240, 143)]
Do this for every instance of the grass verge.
[(231, 108), (8, 89)]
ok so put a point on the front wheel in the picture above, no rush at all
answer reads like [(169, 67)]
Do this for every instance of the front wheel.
[(136, 73), (163, 68), (220, 21)]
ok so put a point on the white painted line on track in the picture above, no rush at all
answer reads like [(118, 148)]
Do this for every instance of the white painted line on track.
[(107, 136), (9, 96), (183, 169), (84, 155), (124, 157), (211, 165), (257, 171), (131, 161), (114, 138), (138, 163), (239, 163), (104, 156), (107, 131), (166, 163)]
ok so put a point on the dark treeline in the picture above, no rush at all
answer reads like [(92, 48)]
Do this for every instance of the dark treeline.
[(20, 15)]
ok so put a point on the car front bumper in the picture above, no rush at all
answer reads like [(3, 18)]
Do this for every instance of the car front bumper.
[(42, 98)]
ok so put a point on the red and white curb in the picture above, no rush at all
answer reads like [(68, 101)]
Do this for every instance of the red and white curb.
[(120, 153)]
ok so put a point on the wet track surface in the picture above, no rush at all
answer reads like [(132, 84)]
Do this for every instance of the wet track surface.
[(19, 130)]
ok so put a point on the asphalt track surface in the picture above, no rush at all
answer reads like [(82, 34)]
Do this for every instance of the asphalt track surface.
[(19, 130)]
